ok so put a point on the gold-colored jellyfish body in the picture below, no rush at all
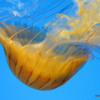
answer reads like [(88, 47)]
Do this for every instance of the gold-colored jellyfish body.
[(66, 46)]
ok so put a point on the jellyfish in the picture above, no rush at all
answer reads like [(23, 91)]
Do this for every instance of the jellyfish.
[(46, 57)]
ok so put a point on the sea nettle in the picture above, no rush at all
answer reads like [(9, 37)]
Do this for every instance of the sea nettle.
[(47, 42)]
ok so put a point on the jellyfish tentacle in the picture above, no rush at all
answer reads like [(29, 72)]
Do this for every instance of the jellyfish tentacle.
[(77, 41), (87, 29), (51, 9), (12, 12), (85, 33), (61, 31), (35, 23), (48, 6), (21, 12), (5, 15), (46, 46), (39, 21)]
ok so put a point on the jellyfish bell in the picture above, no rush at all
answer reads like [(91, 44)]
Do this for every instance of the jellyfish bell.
[(43, 68), (46, 58)]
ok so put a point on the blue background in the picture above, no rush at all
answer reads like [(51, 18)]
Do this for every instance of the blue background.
[(84, 85)]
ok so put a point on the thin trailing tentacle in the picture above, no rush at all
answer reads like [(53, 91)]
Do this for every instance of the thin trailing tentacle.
[(21, 12), (53, 8), (12, 12), (37, 22), (82, 34)]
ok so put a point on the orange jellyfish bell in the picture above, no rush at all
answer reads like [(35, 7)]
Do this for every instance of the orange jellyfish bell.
[(46, 58)]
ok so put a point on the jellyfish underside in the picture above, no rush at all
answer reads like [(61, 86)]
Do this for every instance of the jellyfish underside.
[(50, 62), (43, 68)]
